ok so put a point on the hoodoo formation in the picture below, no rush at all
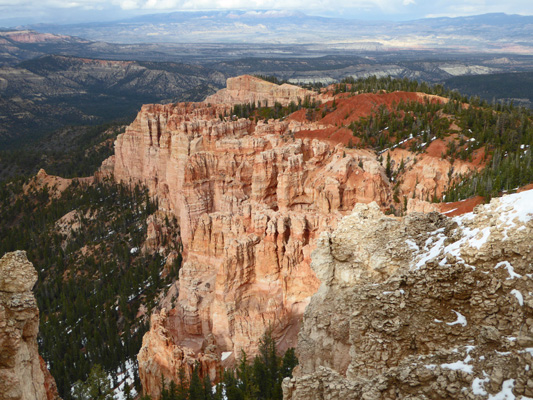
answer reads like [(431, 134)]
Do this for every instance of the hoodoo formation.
[(315, 216), (23, 373), (251, 198), (251, 201)]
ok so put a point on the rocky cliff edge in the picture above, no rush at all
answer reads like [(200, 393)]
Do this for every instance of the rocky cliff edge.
[(424, 307), (23, 373)]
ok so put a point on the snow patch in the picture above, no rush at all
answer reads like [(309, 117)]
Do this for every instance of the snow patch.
[(478, 386), (450, 211), (509, 268), (127, 379), (506, 393), (518, 296), (477, 241), (412, 245), (520, 207), (459, 366), (461, 320), (225, 355)]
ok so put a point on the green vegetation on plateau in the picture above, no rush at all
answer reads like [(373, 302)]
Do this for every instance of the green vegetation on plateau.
[(504, 131)]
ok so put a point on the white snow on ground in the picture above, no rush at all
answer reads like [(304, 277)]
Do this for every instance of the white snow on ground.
[(506, 392), (518, 296), (432, 252), (450, 211), (214, 390), (477, 241), (478, 385), (461, 320), (134, 250), (459, 366), (528, 350), (225, 355), (412, 245), (126, 378), (518, 205), (509, 268), (513, 207)]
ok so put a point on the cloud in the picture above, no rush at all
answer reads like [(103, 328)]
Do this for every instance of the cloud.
[(47, 10)]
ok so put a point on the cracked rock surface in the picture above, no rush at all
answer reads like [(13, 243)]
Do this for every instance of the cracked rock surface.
[(424, 307), (23, 373)]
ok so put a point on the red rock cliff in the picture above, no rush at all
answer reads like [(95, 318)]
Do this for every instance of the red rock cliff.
[(251, 201)]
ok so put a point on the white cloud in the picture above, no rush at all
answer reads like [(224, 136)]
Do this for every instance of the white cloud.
[(375, 9)]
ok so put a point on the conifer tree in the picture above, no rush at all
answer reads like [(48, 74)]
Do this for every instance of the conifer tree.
[(96, 387)]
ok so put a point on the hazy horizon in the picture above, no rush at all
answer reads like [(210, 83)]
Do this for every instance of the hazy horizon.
[(21, 12)]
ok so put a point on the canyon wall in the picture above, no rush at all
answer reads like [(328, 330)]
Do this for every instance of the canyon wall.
[(251, 198), (23, 373), (421, 307), (247, 89), (250, 201)]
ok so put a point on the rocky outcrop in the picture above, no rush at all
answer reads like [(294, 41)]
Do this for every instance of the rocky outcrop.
[(249, 89), (250, 201), (23, 373), (55, 185), (421, 307), (162, 358)]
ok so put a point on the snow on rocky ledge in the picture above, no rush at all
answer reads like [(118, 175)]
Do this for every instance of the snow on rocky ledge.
[(423, 306), (504, 216)]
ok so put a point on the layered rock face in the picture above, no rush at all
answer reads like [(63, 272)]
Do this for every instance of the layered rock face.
[(248, 89), (23, 373), (422, 307), (250, 202)]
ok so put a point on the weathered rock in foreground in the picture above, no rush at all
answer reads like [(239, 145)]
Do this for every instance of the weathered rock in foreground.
[(23, 373), (423, 307)]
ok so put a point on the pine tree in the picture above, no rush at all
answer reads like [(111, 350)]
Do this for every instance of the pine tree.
[(96, 387), (288, 362), (195, 385), (388, 168)]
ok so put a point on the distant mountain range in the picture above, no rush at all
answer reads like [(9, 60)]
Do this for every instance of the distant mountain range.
[(50, 78), (487, 33), (47, 93)]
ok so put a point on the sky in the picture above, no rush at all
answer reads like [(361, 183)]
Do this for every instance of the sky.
[(19, 12)]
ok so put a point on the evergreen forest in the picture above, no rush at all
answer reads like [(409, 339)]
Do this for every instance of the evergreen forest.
[(93, 278)]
